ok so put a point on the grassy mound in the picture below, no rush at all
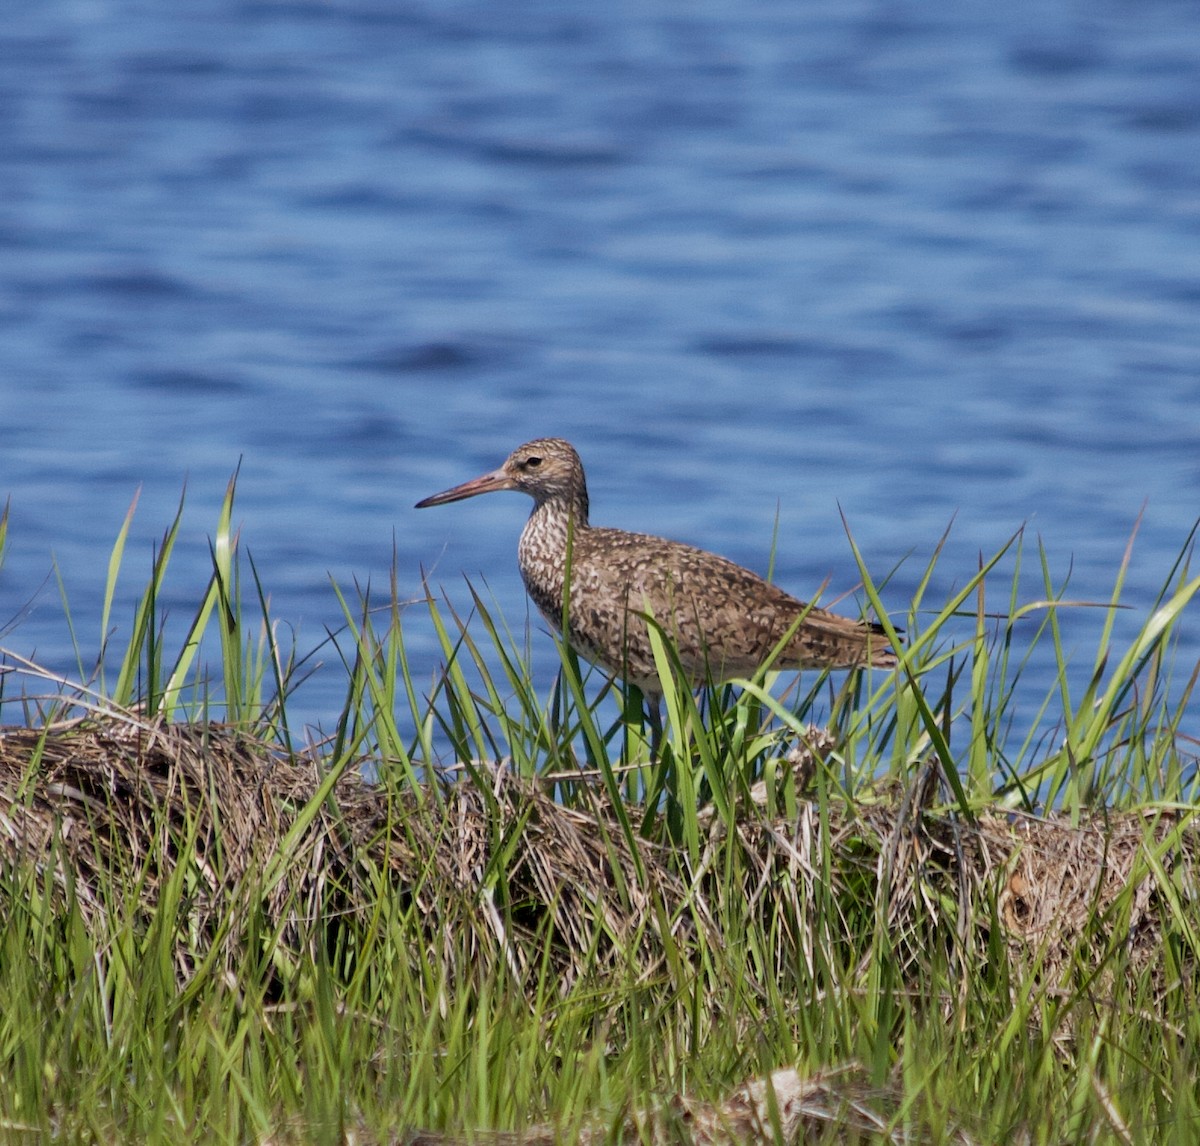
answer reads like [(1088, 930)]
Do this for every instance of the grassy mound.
[(911, 922)]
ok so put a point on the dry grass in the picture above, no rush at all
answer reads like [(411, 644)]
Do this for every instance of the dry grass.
[(831, 1107), (125, 793)]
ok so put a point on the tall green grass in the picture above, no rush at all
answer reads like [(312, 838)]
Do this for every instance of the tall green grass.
[(105, 1036)]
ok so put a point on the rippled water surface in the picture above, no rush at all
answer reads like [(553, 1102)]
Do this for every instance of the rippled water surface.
[(922, 262)]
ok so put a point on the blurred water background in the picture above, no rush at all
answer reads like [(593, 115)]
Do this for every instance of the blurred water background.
[(928, 263)]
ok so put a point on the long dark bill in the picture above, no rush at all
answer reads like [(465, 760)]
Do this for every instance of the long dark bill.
[(485, 483)]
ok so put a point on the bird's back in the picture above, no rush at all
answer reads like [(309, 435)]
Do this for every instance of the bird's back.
[(724, 619)]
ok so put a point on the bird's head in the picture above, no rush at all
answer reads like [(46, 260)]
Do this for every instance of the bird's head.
[(546, 468)]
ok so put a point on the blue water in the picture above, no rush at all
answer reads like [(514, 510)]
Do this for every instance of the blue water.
[(927, 263)]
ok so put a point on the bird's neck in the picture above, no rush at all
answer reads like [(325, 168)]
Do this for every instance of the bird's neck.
[(558, 518), (552, 530)]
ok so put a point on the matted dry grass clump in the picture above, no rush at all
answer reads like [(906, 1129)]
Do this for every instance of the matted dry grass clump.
[(826, 1107), (127, 794), (1057, 886)]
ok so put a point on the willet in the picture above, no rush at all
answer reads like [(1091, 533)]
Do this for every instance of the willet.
[(723, 619)]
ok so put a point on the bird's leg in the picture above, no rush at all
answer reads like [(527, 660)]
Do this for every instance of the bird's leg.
[(556, 703), (654, 712), (642, 708)]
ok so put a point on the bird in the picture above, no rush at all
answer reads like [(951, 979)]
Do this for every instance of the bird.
[(724, 620)]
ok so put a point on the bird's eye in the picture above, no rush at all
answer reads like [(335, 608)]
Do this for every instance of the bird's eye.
[(532, 463)]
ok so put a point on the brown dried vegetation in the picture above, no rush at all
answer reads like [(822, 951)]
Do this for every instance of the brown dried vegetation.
[(509, 866), (133, 794)]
